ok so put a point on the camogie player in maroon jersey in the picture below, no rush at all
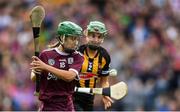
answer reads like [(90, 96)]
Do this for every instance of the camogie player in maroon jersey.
[(59, 67)]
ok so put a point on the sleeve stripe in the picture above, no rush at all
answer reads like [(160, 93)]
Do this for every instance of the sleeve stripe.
[(105, 72), (77, 74)]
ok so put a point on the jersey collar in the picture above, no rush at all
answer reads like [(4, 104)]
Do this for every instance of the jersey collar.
[(60, 52)]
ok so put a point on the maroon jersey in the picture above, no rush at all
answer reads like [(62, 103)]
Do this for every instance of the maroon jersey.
[(53, 88)]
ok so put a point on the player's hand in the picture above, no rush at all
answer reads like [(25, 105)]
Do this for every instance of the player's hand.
[(37, 64), (107, 102)]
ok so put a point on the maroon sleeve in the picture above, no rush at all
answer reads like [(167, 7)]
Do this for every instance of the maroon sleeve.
[(42, 57)]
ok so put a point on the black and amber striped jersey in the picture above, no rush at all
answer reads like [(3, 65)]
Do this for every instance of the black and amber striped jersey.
[(93, 66)]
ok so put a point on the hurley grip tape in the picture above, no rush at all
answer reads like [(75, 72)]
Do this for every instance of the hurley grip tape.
[(36, 31)]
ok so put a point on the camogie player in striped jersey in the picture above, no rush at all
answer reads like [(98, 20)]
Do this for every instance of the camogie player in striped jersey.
[(96, 65)]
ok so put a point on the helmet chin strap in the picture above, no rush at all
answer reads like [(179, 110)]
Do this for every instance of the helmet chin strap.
[(62, 40)]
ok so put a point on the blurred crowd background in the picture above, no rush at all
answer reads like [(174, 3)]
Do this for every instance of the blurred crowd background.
[(143, 41)]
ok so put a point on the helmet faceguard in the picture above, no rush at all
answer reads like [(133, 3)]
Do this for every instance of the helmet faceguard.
[(96, 27), (68, 29)]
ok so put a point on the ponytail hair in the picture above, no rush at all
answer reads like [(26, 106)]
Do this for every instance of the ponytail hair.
[(55, 44), (60, 39)]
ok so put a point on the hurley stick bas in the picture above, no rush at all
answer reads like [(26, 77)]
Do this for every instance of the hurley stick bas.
[(37, 15), (116, 91)]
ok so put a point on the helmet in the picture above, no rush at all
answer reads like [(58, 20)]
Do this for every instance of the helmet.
[(96, 26), (69, 28)]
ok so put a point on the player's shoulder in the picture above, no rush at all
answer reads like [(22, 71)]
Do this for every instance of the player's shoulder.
[(78, 53), (78, 56), (82, 48), (103, 51), (47, 51)]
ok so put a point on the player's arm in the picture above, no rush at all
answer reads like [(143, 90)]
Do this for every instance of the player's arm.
[(66, 75), (106, 99), (104, 82), (68, 79), (104, 72)]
